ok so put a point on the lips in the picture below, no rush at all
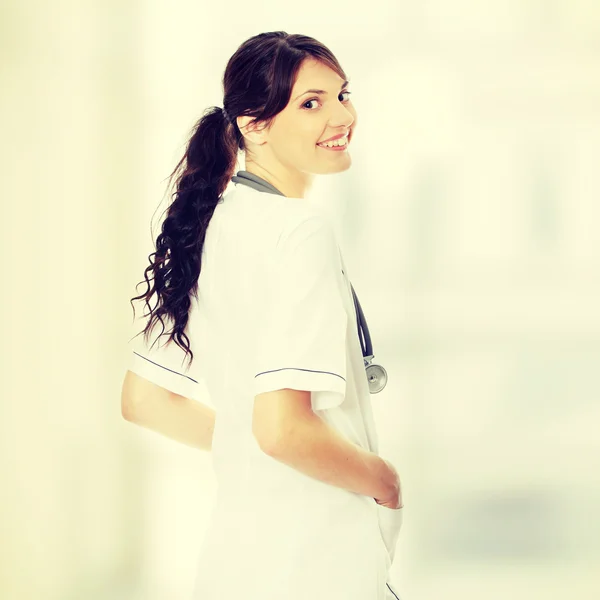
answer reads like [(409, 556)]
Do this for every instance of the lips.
[(339, 147), (336, 137)]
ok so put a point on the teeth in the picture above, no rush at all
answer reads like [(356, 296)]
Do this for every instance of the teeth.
[(341, 142)]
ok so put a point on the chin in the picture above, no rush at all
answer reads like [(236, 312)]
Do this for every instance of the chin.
[(335, 166)]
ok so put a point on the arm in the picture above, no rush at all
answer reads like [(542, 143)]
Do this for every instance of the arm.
[(288, 430), (299, 363), (179, 418)]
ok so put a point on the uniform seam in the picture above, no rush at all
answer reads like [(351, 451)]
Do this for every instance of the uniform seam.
[(299, 369), (166, 368)]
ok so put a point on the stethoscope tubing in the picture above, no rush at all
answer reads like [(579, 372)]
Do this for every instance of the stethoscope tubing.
[(363, 329)]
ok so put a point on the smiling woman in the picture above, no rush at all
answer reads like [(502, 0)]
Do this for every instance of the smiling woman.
[(249, 275)]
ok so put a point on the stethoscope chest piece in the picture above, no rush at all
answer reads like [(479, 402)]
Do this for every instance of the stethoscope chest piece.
[(376, 376)]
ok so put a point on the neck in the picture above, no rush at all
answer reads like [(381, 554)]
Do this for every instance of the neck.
[(291, 185)]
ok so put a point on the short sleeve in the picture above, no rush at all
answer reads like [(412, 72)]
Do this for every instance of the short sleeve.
[(301, 333), (165, 364)]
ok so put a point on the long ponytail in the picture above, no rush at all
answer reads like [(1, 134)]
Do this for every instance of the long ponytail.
[(204, 171)]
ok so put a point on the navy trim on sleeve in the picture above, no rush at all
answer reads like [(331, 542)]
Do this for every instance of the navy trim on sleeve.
[(298, 369), (155, 363)]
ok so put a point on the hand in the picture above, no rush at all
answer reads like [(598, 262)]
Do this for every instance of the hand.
[(393, 499)]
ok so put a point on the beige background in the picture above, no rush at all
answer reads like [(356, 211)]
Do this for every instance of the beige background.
[(469, 222)]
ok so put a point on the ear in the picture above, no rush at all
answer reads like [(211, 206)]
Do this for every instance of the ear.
[(251, 130)]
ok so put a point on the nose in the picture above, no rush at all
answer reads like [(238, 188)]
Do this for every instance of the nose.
[(342, 116)]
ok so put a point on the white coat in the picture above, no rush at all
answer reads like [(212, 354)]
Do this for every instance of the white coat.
[(275, 310)]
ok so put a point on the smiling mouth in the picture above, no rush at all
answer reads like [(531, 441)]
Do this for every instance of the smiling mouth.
[(346, 138), (336, 146), (331, 146)]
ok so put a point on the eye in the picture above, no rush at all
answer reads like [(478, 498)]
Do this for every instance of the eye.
[(316, 99)]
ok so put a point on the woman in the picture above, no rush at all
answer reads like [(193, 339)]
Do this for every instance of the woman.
[(250, 276)]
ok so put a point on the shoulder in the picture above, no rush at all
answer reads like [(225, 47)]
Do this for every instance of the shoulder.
[(277, 222), (306, 246), (304, 223)]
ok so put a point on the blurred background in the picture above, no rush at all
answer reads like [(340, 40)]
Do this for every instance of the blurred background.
[(469, 225)]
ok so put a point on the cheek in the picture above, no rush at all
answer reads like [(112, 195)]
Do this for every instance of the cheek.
[(307, 138)]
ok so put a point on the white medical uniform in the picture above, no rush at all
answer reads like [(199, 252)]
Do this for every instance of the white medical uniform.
[(275, 310)]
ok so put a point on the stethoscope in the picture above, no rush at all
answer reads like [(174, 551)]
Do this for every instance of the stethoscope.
[(376, 374)]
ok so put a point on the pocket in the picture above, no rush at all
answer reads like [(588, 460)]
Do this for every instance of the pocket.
[(390, 523), (379, 547), (383, 549)]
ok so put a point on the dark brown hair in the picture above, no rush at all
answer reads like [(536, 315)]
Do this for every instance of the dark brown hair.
[(257, 82)]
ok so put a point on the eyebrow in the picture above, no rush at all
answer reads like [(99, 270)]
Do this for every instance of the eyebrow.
[(344, 84)]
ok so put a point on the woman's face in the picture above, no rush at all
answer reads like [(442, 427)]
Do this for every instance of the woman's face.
[(289, 147), (310, 118)]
